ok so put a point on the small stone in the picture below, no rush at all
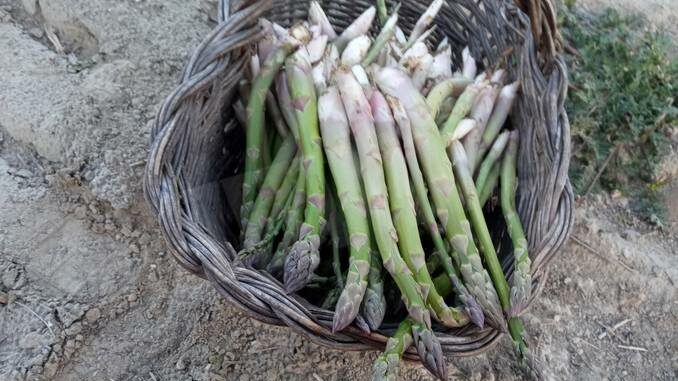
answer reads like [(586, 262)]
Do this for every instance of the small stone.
[(74, 329), (145, 239), (132, 298), (133, 248), (80, 212), (181, 363), (79, 338), (3, 297), (36, 32), (568, 280), (93, 315)]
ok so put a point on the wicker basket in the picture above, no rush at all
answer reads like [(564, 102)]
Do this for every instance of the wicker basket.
[(192, 177)]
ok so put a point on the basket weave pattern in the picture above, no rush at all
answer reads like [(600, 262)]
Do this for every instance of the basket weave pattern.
[(192, 179)]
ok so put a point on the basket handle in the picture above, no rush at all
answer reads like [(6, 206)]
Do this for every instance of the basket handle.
[(542, 14)]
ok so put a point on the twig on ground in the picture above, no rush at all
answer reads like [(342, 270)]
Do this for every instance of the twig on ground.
[(591, 250), (614, 328), (632, 348)]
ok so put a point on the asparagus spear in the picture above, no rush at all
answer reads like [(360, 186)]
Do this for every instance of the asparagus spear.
[(335, 239), (489, 185), (461, 108), (293, 220), (317, 16), (356, 50), (473, 310), (282, 92), (444, 89), (373, 307), (360, 26), (441, 69), (425, 19), (385, 35), (501, 111), (445, 110), (404, 217), (438, 171), (475, 211), (303, 258), (481, 111), (362, 126), (255, 129), (336, 138), (492, 157), (521, 283), (382, 12), (265, 199), (385, 367), (469, 68)]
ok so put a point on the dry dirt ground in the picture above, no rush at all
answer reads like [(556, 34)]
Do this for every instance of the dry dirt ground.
[(88, 293)]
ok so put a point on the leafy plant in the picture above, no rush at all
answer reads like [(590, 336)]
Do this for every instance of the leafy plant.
[(621, 99)]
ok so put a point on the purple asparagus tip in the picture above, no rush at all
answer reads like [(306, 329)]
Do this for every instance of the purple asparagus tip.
[(300, 264)]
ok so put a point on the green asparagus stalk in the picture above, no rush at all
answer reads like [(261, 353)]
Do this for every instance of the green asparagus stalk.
[(382, 12), (385, 367), (276, 115), (501, 111), (255, 253), (445, 110), (404, 217), (360, 26), (440, 178), (266, 197), (385, 35), (452, 87), (489, 185), (255, 129), (373, 307), (282, 201), (293, 220), (461, 108), (304, 257), (335, 239), (492, 158), (475, 211), (336, 138), (282, 92), (473, 310), (362, 126), (521, 282)]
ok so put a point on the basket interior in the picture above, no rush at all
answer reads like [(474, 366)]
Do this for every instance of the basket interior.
[(213, 191)]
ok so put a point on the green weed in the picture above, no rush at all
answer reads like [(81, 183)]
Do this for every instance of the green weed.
[(621, 100)]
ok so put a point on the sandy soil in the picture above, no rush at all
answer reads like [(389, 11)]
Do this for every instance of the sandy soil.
[(87, 291)]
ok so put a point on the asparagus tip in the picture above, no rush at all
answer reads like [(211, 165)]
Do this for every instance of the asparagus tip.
[(301, 262), (373, 309), (475, 312), (430, 351), (345, 311)]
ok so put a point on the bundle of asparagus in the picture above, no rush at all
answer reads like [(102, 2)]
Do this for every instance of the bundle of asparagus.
[(406, 153)]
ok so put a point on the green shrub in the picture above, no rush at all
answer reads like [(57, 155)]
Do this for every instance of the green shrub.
[(621, 99)]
